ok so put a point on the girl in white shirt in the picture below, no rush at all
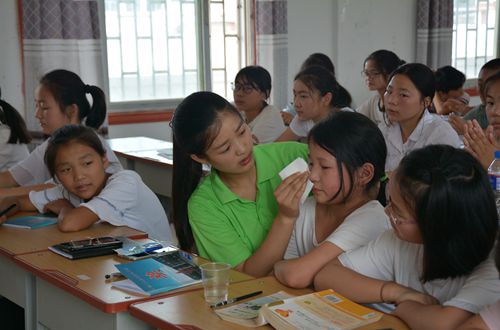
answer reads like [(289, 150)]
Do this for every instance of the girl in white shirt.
[(61, 99), (346, 163), (14, 136), (86, 194), (376, 70), (408, 95), (251, 89), (436, 264), (317, 94)]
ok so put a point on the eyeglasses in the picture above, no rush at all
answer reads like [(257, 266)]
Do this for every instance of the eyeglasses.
[(85, 242), (396, 221), (245, 88), (370, 74)]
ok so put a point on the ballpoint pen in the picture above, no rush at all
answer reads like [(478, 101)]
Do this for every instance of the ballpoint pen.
[(113, 275), (7, 209), (232, 300)]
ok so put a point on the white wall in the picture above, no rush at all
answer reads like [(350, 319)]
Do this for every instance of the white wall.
[(10, 55)]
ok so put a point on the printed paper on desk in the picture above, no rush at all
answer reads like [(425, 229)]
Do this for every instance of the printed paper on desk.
[(298, 165)]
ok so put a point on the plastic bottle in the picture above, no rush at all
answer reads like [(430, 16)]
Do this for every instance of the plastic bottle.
[(494, 174)]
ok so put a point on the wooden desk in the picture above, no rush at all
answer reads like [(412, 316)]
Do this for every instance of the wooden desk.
[(73, 294), (144, 155), (190, 308), (17, 284)]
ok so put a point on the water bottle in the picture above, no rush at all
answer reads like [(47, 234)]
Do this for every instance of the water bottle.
[(494, 174)]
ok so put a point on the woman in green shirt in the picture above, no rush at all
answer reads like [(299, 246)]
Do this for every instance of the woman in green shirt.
[(231, 215)]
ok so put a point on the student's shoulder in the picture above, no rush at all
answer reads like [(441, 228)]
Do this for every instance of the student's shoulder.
[(125, 177)]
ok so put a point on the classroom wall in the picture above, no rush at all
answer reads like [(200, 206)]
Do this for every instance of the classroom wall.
[(10, 55), (346, 30)]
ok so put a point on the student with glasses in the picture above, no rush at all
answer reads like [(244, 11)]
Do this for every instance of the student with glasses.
[(436, 264), (251, 90), (376, 70)]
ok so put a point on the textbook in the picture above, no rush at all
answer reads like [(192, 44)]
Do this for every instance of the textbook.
[(319, 310), (158, 274), (31, 221)]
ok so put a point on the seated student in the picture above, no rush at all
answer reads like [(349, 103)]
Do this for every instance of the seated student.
[(251, 89), (376, 70), (436, 264), (61, 99), (489, 317), (450, 96), (408, 95), (346, 163), (77, 160), (318, 59), (315, 90), (231, 214), (478, 113), (14, 136), (483, 144)]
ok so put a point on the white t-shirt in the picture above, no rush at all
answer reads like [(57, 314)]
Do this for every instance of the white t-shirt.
[(10, 153), (302, 127), (360, 227), (32, 170), (268, 125), (124, 201), (491, 316), (431, 129), (389, 258), (370, 109)]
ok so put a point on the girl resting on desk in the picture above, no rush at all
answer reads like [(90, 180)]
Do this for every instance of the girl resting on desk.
[(316, 95), (408, 95), (231, 214), (436, 263), (346, 163), (77, 160), (61, 99)]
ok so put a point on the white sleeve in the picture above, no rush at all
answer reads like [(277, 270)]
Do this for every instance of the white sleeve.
[(481, 288), (119, 194), (374, 260), (364, 108), (270, 126), (292, 250), (361, 227), (297, 127), (41, 198), (444, 134), (32, 170), (114, 164)]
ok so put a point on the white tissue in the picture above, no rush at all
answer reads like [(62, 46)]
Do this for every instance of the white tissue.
[(298, 165)]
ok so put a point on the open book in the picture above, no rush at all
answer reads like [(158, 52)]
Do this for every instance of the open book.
[(320, 310)]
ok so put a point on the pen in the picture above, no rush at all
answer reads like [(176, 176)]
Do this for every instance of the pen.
[(232, 300), (113, 275), (7, 209)]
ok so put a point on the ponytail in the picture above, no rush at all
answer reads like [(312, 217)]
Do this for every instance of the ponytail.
[(97, 113), (10, 117)]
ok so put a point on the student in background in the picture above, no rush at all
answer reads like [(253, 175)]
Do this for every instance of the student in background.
[(436, 264), (478, 113), (450, 96), (231, 215), (14, 136), (489, 317), (315, 90), (408, 95), (376, 70), (251, 89), (77, 160), (346, 163), (483, 144), (60, 100), (318, 59)]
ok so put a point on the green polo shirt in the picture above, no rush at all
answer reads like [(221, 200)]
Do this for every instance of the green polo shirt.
[(479, 114), (228, 228)]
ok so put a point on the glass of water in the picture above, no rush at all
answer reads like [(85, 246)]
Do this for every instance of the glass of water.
[(215, 277)]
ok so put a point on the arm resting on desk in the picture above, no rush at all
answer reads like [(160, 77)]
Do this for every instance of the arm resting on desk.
[(75, 218)]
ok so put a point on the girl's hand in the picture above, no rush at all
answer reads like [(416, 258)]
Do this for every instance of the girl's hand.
[(457, 123), (454, 105), (288, 195), (57, 206), (480, 144)]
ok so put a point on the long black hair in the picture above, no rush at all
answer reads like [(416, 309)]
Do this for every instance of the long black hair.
[(68, 88), (449, 194), (195, 125), (10, 116)]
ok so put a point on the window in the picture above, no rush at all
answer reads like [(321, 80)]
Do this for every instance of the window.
[(474, 35), (156, 49)]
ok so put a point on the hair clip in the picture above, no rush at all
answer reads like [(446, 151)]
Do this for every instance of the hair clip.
[(384, 178)]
